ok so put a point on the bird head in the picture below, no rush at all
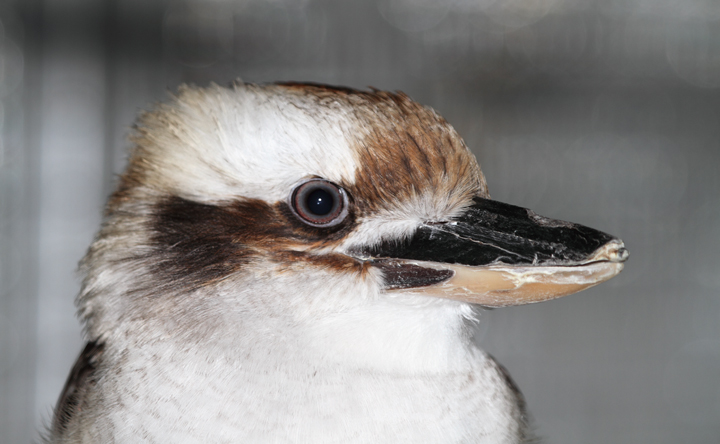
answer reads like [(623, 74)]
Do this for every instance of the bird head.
[(312, 200)]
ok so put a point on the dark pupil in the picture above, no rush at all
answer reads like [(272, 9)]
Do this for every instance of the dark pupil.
[(320, 202)]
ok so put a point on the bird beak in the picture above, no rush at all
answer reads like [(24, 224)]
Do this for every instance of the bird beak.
[(497, 255)]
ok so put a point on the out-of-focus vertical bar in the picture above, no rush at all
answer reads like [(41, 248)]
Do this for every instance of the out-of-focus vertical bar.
[(135, 73), (72, 164), (17, 236)]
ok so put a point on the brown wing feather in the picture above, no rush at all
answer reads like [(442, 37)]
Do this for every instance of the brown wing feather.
[(81, 376)]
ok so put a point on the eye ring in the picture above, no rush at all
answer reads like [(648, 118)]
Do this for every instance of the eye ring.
[(319, 203)]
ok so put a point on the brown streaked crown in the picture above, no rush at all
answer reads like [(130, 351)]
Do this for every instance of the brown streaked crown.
[(404, 149)]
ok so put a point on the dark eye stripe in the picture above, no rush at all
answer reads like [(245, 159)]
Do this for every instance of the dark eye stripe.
[(319, 203)]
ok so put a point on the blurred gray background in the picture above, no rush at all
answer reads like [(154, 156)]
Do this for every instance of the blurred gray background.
[(602, 112)]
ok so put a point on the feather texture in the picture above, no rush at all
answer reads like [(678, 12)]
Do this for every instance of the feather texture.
[(223, 318)]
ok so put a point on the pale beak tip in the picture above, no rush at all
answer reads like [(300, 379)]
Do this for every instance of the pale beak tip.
[(613, 251), (622, 255)]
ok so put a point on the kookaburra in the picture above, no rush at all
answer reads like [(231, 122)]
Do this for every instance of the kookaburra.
[(298, 263)]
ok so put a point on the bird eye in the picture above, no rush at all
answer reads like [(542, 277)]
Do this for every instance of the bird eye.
[(319, 203)]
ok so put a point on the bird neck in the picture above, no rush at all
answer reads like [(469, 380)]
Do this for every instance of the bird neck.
[(392, 335), (335, 321), (280, 319), (400, 335)]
